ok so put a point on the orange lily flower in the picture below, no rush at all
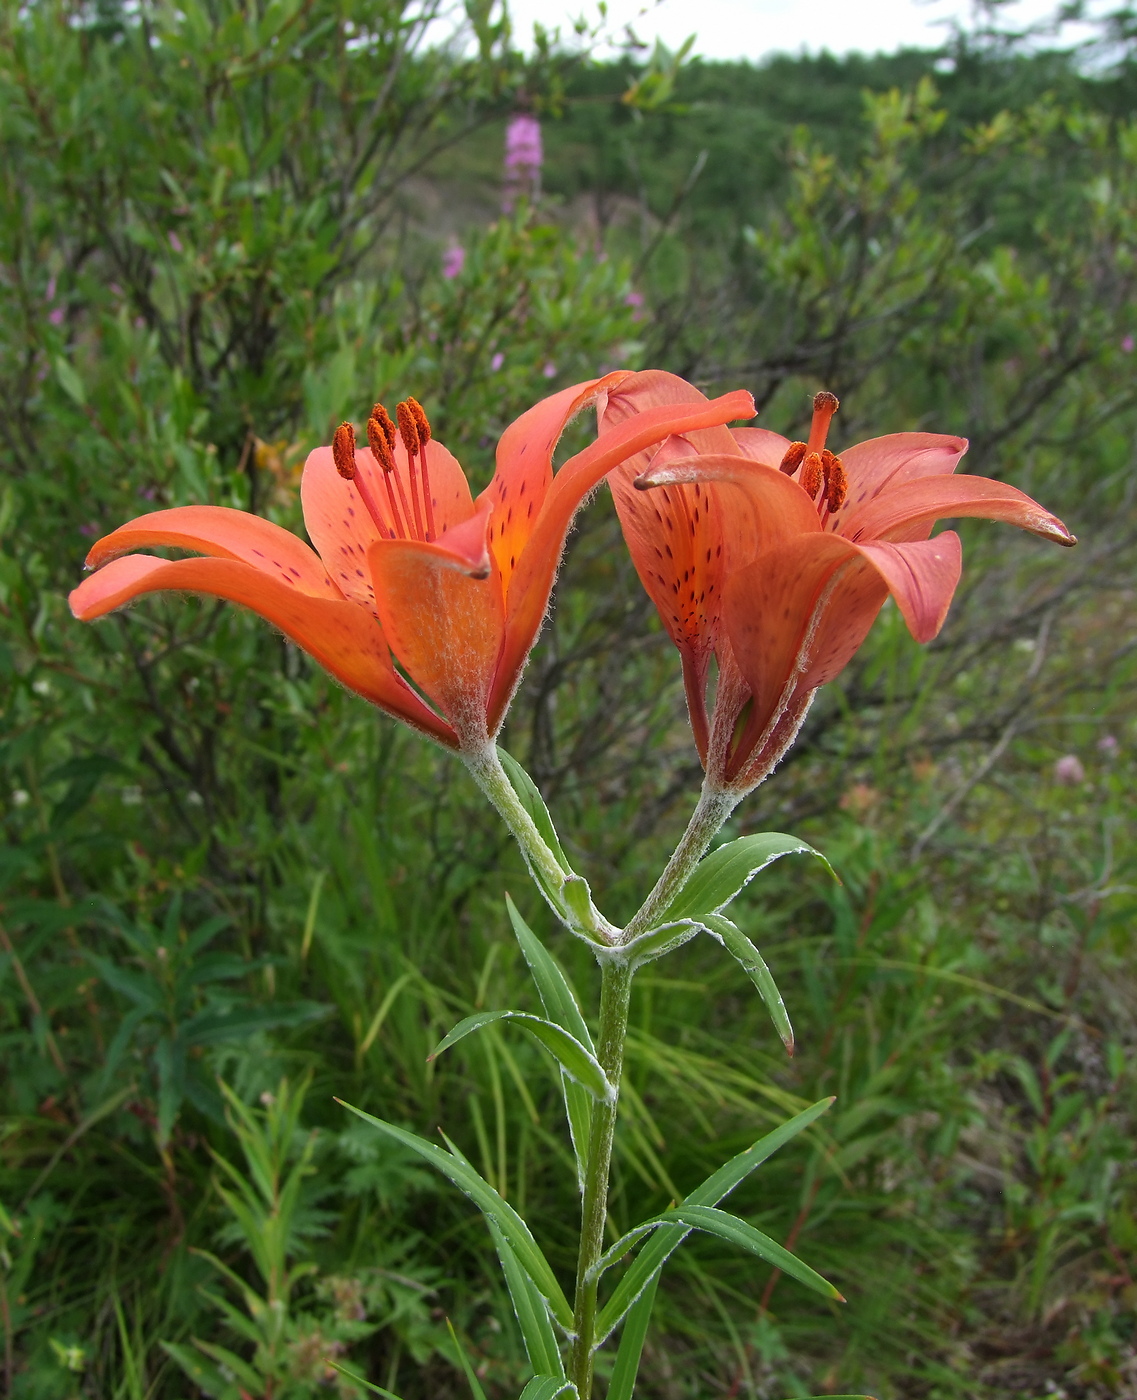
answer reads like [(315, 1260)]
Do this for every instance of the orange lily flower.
[(419, 598), (774, 558)]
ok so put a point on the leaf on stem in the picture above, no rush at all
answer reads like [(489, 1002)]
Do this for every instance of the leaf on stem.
[(561, 1005), (548, 1388), (667, 1238), (626, 1369), (577, 1062), (753, 964), (493, 1207), (531, 1312), (719, 877), (531, 799), (738, 1232)]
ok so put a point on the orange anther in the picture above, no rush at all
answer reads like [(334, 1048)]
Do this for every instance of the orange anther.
[(836, 480), (343, 451), (383, 418), (379, 443), (795, 455), (812, 475), (408, 427), (422, 422)]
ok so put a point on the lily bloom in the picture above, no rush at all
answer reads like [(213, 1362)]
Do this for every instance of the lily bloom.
[(418, 597), (774, 558)]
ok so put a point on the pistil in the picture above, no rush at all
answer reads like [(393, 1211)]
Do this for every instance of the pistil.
[(820, 469)]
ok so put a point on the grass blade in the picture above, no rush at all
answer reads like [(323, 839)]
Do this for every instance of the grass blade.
[(627, 1367), (360, 1380)]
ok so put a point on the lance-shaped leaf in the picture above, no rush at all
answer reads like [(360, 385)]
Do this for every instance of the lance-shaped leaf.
[(657, 942), (721, 875), (548, 1388), (360, 1380), (531, 799), (576, 1061), (561, 1006), (626, 1368), (665, 1240), (738, 1232), (753, 964), (496, 1210), (532, 1314), (464, 1362)]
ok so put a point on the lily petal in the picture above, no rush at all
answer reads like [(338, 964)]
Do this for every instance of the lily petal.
[(761, 444), (908, 511), (444, 625), (342, 637), (921, 576), (767, 507), (224, 534), (524, 470), (529, 587), (876, 466)]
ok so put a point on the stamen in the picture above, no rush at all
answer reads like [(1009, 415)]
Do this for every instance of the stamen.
[(381, 451), (812, 475), (383, 422), (422, 423), (408, 431), (795, 455), (825, 405), (343, 451), (343, 454), (836, 481)]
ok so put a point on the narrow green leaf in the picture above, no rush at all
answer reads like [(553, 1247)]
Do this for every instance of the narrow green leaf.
[(531, 799), (69, 380), (668, 1238), (548, 1388), (464, 1362), (738, 1232), (532, 1314), (491, 1204), (360, 1380), (553, 987), (561, 1005), (753, 964), (659, 941), (627, 1365), (205, 1376), (577, 1062), (230, 1361), (721, 875)]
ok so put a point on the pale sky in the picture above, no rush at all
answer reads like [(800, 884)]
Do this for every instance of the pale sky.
[(754, 28)]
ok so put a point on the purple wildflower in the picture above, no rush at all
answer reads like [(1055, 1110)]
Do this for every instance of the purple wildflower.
[(524, 157), (1068, 771), (497, 362), (453, 261)]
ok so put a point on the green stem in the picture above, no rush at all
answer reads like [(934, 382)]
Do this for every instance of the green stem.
[(615, 993), (711, 810)]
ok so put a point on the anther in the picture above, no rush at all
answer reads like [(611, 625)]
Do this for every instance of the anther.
[(343, 451), (836, 481), (825, 405), (379, 444), (383, 418), (422, 422), (812, 475), (795, 455)]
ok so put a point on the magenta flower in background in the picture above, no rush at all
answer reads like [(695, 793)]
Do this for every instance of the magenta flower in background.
[(1127, 344), (175, 241), (550, 370), (1108, 746), (523, 159), (56, 316), (1068, 771), (497, 362), (453, 261)]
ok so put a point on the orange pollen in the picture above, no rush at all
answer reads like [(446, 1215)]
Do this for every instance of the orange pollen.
[(836, 481), (825, 405), (795, 455), (343, 451), (422, 422), (812, 475), (383, 418), (408, 427), (378, 442)]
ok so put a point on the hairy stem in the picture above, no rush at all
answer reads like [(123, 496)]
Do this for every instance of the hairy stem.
[(711, 810), (615, 993)]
